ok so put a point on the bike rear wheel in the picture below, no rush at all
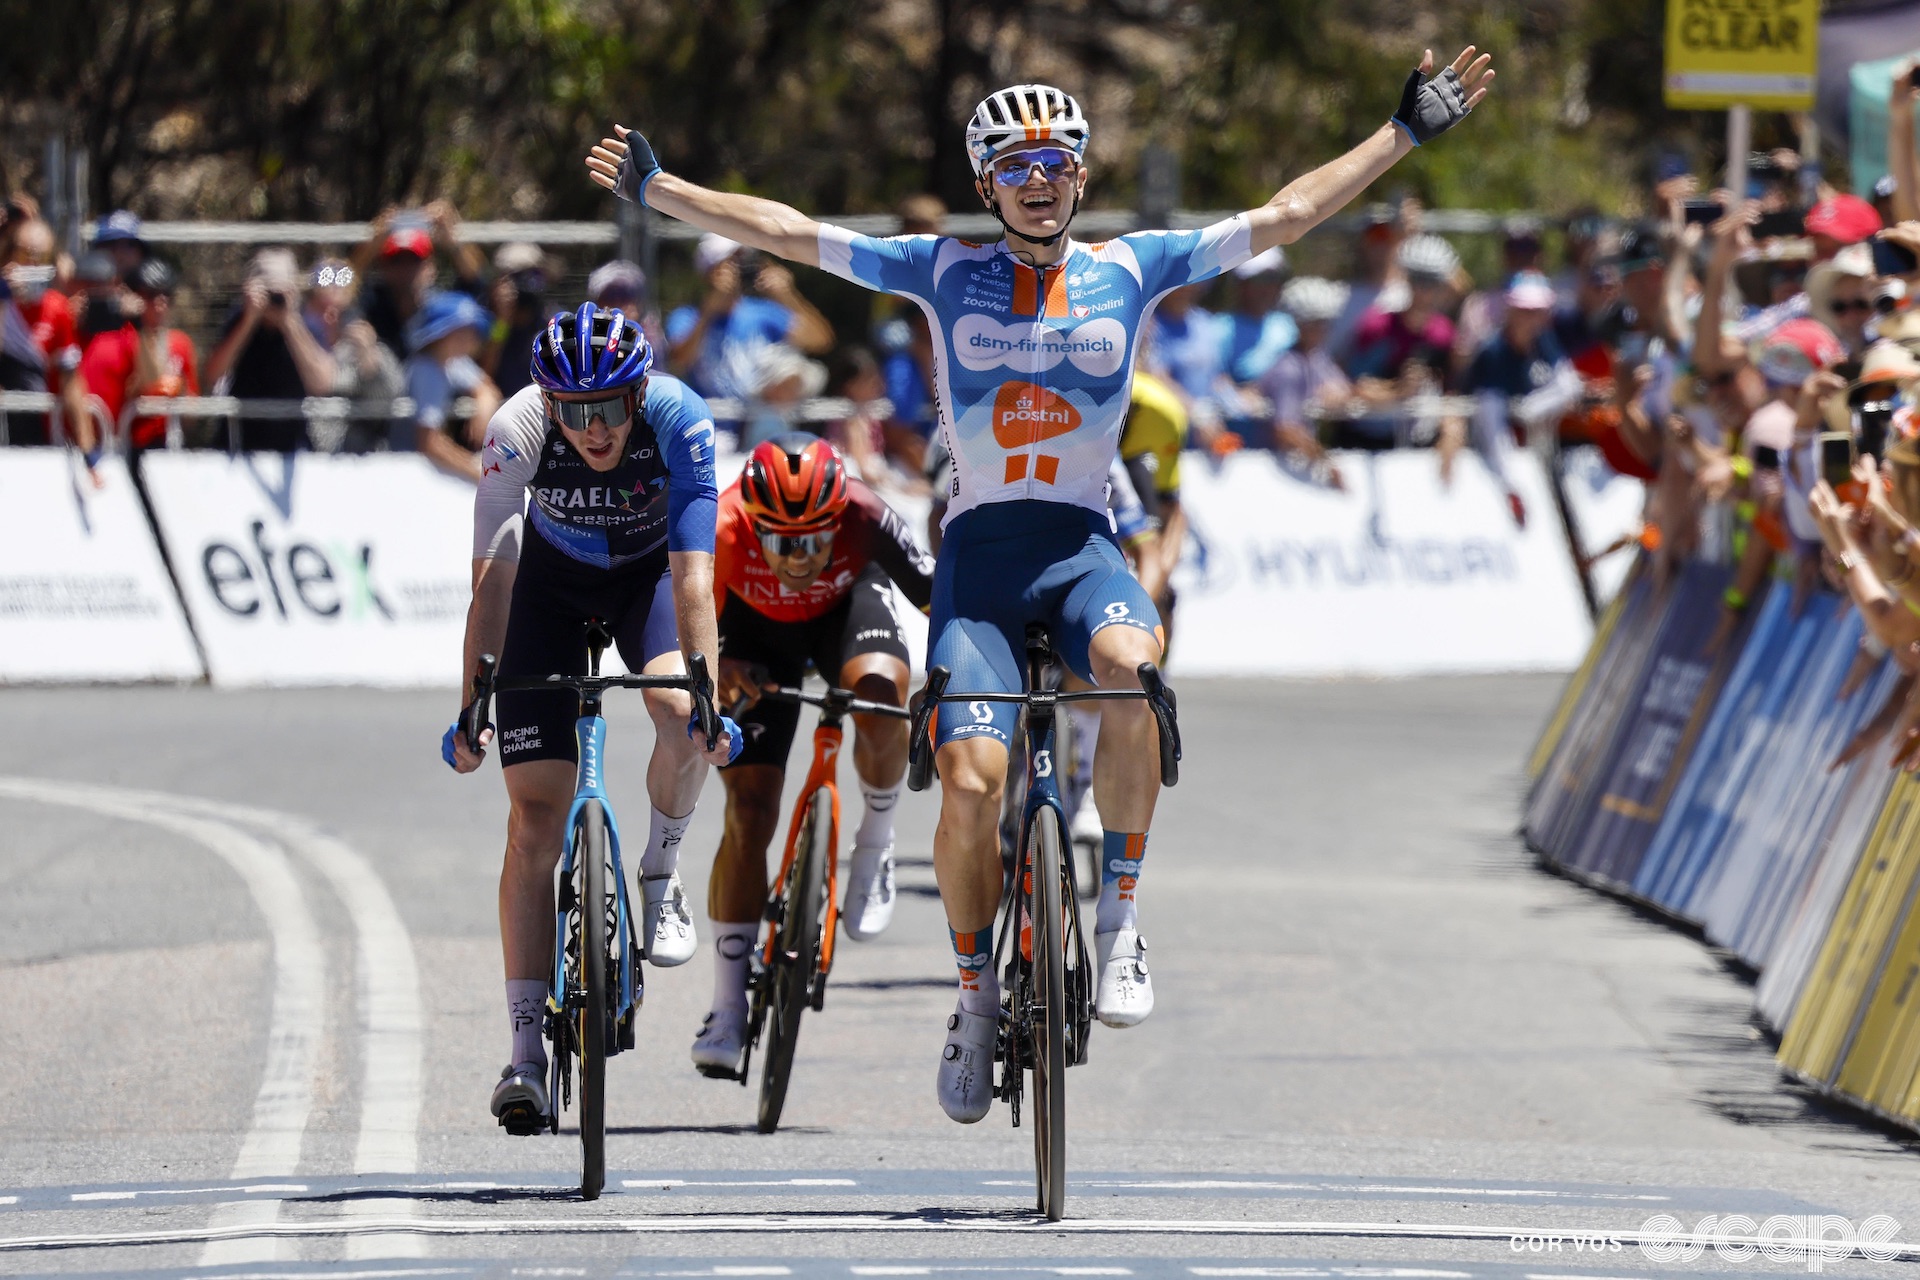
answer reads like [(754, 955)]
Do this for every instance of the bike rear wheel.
[(1045, 847), (796, 955), (593, 1015)]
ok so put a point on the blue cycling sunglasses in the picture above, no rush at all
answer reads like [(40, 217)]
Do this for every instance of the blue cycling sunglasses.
[(578, 415), (1014, 168)]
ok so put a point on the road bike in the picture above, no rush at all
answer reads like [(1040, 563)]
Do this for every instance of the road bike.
[(1047, 977), (596, 988), (789, 971)]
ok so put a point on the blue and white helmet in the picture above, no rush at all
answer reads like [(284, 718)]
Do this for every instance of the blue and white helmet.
[(1024, 113), (591, 349)]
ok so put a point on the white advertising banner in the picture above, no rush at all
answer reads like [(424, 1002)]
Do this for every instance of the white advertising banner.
[(83, 592), (307, 569), (1399, 575)]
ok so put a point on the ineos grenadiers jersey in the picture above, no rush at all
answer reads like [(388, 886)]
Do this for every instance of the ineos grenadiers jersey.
[(662, 491), (1032, 366)]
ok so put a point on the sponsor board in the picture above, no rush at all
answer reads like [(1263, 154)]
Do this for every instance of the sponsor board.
[(1399, 575), (83, 592), (306, 569)]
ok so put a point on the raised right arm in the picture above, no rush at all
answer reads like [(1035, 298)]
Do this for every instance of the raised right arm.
[(625, 165)]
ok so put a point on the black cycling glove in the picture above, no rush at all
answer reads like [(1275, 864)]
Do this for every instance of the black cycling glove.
[(1428, 108), (637, 169)]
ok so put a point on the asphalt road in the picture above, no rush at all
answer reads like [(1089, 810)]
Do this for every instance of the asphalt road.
[(251, 998)]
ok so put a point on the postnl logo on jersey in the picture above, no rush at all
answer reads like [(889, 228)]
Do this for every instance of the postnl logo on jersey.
[(1023, 415)]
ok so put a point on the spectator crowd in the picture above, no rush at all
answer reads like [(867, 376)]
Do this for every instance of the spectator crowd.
[(1704, 349)]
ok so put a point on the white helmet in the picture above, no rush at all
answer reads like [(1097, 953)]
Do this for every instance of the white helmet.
[(1428, 255), (1311, 298), (1024, 113)]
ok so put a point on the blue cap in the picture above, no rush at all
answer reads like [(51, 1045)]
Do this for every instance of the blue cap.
[(118, 225), (444, 313)]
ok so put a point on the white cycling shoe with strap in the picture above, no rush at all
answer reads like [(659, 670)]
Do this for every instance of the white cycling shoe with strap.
[(1125, 995), (722, 1040), (520, 1099), (868, 908), (966, 1065), (667, 922)]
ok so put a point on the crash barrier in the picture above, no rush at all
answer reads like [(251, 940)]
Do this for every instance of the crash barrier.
[(1401, 573), (84, 594), (1700, 774)]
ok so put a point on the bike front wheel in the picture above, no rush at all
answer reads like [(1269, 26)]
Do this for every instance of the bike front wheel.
[(593, 1014), (796, 954), (1046, 908)]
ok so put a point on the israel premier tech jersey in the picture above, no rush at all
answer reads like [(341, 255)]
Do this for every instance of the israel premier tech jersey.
[(1032, 365)]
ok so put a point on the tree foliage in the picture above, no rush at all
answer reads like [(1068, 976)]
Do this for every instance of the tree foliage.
[(334, 108)]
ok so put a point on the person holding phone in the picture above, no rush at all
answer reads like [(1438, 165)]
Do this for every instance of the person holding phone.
[(269, 351), (751, 303)]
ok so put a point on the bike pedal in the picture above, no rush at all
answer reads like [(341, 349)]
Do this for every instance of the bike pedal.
[(714, 1072), (522, 1121)]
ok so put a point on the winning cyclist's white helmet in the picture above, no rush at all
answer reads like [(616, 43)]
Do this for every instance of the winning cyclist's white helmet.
[(1024, 113)]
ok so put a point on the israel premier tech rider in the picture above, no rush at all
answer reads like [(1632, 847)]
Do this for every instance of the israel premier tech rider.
[(1034, 344), (619, 461)]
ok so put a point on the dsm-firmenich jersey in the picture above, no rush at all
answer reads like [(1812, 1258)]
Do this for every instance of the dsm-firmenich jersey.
[(1032, 366)]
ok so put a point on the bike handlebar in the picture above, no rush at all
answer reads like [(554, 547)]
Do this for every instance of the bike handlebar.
[(841, 700), (1153, 688), (696, 681)]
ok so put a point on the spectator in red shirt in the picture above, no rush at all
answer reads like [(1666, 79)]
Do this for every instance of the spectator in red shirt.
[(145, 357), (1404, 352), (42, 347)]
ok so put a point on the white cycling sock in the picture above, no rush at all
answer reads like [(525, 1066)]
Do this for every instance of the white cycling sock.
[(876, 821), (1086, 723), (526, 1010), (662, 857), (732, 947)]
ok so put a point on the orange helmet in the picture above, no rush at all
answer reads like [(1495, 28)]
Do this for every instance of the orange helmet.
[(794, 484)]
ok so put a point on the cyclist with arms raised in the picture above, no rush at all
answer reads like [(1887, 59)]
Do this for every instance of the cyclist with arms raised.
[(1034, 339), (804, 566), (619, 462)]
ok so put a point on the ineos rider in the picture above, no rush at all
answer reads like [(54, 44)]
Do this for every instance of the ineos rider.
[(1034, 344)]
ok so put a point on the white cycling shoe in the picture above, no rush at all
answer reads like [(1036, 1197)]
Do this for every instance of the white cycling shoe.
[(1125, 997), (868, 908), (722, 1039), (520, 1099), (667, 921), (966, 1065), (1086, 827)]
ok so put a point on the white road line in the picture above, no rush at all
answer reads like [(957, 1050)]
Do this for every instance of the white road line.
[(242, 1232), (391, 1023), (887, 1224), (1230, 1184), (665, 1183)]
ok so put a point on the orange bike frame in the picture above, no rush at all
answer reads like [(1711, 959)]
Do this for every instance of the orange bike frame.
[(824, 773)]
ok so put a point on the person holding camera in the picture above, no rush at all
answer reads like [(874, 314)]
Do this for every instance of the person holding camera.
[(751, 304), (268, 351), (145, 356)]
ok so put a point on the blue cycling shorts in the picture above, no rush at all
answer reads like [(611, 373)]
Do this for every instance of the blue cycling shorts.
[(1005, 565)]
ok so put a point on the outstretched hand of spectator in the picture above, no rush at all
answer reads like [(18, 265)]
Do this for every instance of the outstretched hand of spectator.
[(1904, 234)]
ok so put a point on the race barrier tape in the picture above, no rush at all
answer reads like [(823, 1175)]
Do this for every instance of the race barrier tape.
[(1708, 786), (84, 594)]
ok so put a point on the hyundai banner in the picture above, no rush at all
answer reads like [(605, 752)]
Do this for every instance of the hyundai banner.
[(1401, 574)]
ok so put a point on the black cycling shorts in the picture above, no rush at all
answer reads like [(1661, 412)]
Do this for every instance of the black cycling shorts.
[(862, 623), (553, 596)]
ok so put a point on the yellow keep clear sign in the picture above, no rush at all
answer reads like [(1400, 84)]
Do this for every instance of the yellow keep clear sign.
[(1759, 52)]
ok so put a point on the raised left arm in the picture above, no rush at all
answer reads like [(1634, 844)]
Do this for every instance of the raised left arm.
[(1427, 109)]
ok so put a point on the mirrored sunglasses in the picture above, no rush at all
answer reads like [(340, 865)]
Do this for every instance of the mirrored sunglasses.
[(1055, 164), (578, 415), (782, 546)]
